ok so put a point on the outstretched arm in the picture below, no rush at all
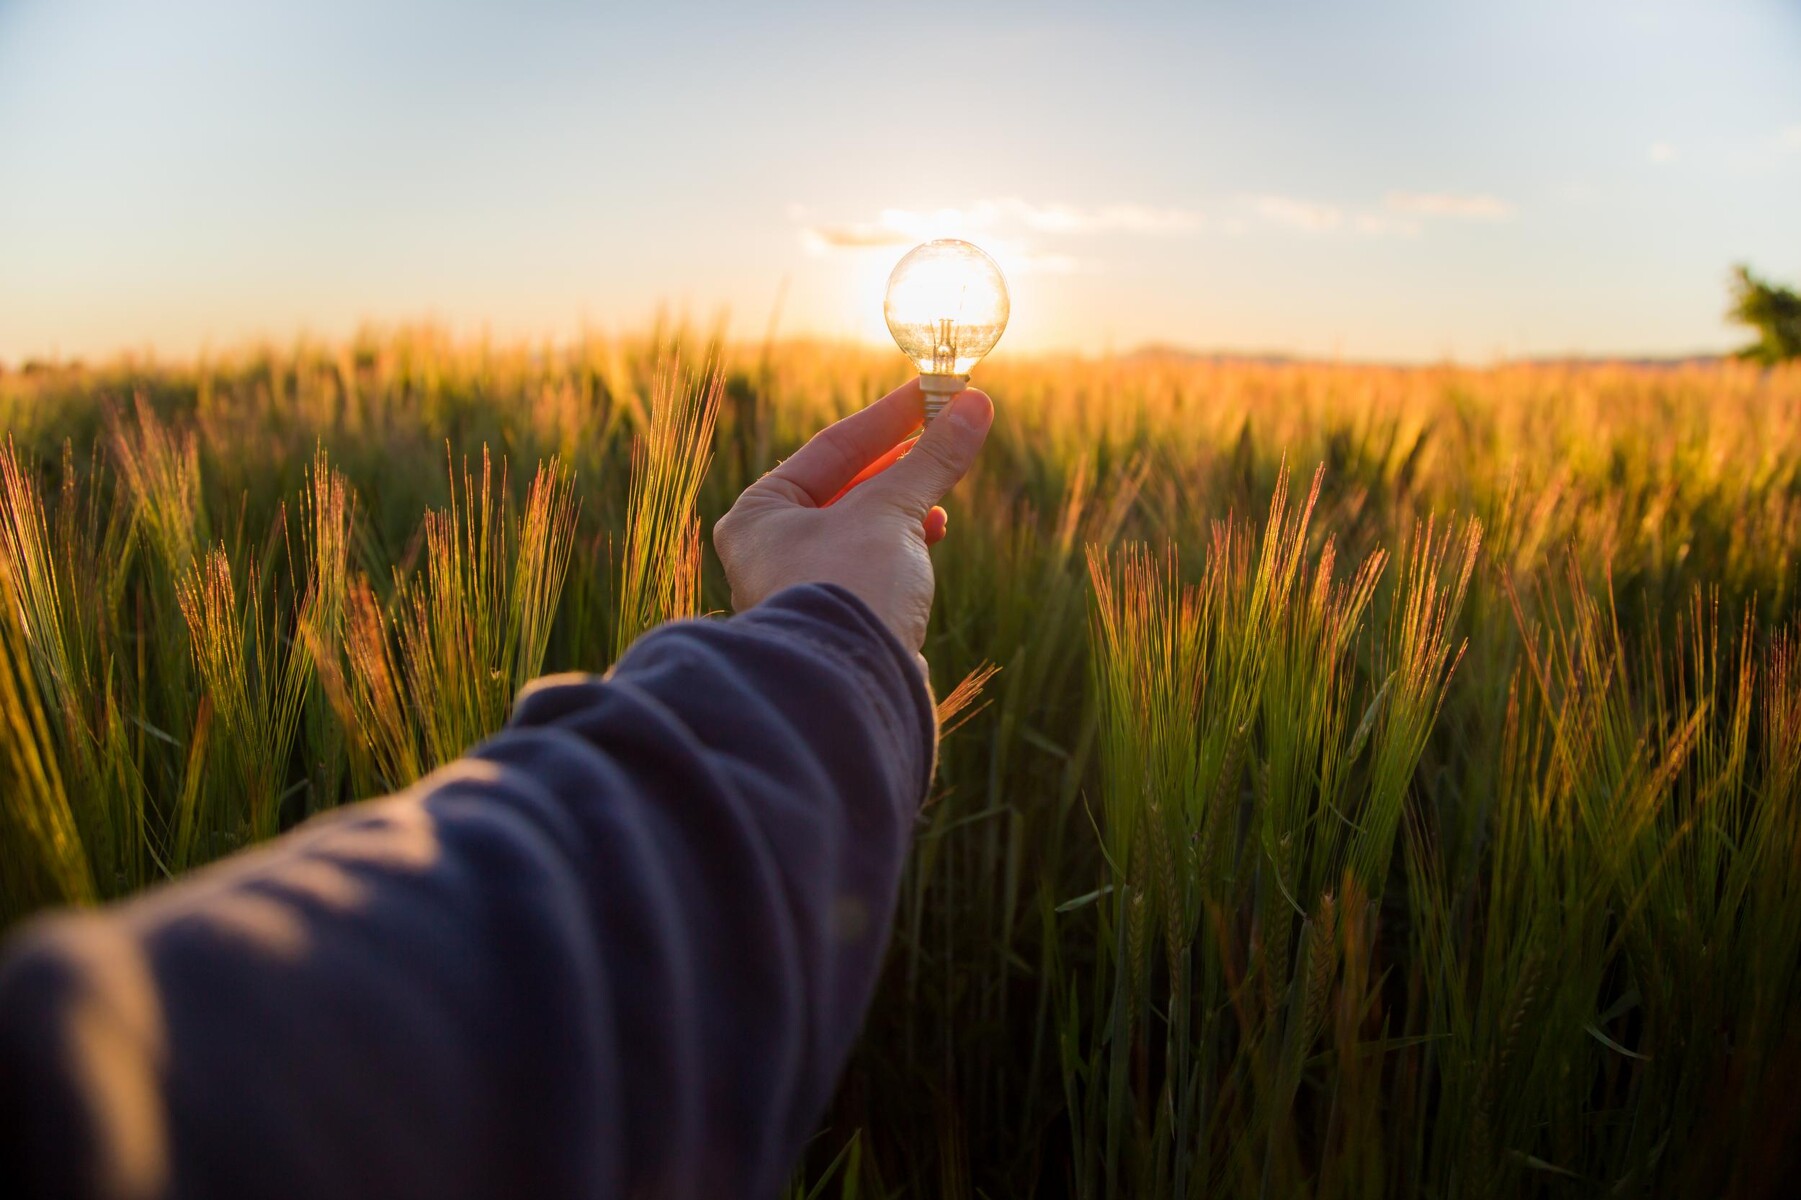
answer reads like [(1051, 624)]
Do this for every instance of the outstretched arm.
[(622, 948)]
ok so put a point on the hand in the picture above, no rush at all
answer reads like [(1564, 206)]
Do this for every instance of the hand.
[(848, 509)]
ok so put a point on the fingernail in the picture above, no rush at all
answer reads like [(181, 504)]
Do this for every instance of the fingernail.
[(965, 411)]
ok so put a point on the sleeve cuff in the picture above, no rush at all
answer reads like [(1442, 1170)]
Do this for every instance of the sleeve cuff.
[(847, 630)]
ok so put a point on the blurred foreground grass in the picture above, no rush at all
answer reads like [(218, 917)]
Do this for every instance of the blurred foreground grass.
[(1424, 826)]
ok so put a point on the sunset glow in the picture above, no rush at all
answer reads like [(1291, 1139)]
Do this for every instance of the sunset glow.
[(1531, 180)]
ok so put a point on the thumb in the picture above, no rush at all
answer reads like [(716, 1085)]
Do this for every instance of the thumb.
[(941, 456)]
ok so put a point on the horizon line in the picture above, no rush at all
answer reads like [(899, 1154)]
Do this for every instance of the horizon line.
[(686, 329)]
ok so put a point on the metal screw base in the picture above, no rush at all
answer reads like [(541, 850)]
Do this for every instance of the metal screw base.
[(938, 390)]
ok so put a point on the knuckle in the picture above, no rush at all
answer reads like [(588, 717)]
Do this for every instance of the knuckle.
[(774, 490), (728, 532)]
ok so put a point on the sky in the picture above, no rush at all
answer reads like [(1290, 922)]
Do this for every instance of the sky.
[(1399, 181)]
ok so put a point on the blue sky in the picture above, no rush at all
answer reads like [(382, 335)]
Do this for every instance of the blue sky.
[(1395, 180)]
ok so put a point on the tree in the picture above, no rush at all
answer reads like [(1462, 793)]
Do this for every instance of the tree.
[(1774, 312)]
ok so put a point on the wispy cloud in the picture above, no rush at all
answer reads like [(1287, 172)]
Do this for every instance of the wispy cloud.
[(899, 224), (849, 237), (1300, 214), (1448, 204), (1122, 218), (1006, 226), (1789, 140), (1402, 214), (1662, 153)]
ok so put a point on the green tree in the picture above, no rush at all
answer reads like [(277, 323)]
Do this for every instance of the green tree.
[(1773, 311)]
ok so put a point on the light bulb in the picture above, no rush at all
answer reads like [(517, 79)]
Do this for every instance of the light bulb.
[(946, 307)]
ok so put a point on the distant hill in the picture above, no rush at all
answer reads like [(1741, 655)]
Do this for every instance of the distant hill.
[(1161, 351)]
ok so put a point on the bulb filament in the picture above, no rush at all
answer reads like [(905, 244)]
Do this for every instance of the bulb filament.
[(944, 353)]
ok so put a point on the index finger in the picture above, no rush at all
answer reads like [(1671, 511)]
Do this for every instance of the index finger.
[(827, 464)]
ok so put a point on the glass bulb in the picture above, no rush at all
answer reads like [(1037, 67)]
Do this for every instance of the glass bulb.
[(946, 307)]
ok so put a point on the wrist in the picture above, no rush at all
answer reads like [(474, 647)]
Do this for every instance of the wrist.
[(845, 625)]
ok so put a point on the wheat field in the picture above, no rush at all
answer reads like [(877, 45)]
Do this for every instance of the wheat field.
[(1362, 781)]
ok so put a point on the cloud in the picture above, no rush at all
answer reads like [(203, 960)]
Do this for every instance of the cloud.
[(851, 237), (1007, 227), (1402, 214), (1662, 152), (1301, 214), (1448, 204), (895, 225), (1788, 141), (1122, 218)]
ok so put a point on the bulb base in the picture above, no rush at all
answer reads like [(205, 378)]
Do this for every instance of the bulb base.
[(938, 391)]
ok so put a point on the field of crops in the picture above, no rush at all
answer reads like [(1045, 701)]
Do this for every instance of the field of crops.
[(1390, 781)]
